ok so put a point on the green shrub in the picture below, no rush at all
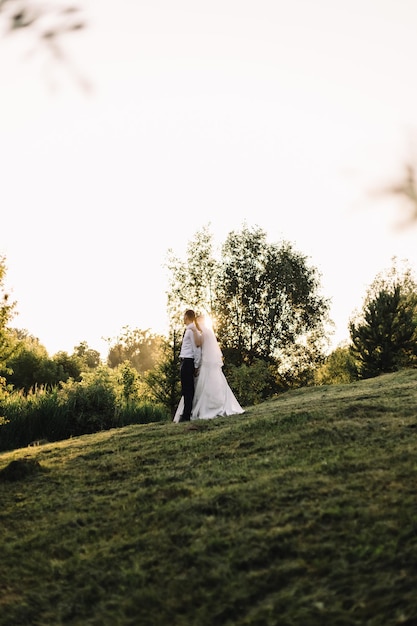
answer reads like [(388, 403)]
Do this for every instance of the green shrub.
[(252, 383), (338, 369), (92, 402), (95, 403)]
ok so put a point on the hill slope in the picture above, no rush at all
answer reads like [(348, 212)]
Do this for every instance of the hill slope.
[(300, 512)]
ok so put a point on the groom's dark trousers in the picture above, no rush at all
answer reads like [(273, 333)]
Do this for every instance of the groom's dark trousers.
[(187, 387)]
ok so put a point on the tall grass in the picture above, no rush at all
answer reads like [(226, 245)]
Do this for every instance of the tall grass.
[(76, 409), (39, 415)]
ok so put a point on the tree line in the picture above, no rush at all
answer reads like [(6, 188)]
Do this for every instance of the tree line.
[(270, 318)]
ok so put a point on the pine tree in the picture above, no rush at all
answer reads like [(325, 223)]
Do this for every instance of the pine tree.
[(385, 339)]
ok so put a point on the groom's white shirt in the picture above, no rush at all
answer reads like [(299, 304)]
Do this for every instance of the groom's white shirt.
[(188, 348)]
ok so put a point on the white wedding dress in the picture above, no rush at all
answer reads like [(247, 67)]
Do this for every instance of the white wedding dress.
[(213, 396)]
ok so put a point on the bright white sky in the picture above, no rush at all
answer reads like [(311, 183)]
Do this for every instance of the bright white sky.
[(289, 116)]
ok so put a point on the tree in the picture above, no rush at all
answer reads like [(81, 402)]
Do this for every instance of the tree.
[(339, 368), (163, 380), (193, 281), (30, 365), (264, 298), (128, 379), (240, 291), (89, 357), (268, 299), (68, 366), (7, 311), (384, 336), (140, 348)]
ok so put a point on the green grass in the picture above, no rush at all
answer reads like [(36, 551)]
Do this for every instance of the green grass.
[(301, 512)]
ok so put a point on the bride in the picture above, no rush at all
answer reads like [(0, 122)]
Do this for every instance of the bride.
[(212, 397)]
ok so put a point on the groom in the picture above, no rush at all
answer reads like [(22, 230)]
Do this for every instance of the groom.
[(190, 356)]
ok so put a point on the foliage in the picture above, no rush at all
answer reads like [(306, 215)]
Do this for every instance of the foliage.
[(128, 378), (384, 337), (163, 382), (68, 366), (241, 292), (140, 348), (299, 512), (268, 298), (192, 283), (38, 415), (25, 15), (302, 360), (96, 403), (7, 343), (254, 383), (92, 402), (89, 358), (30, 365), (47, 24), (264, 297), (339, 368)]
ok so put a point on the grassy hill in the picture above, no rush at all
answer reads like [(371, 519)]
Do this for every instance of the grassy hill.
[(301, 512)]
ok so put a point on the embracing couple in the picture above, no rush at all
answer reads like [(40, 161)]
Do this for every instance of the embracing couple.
[(205, 391)]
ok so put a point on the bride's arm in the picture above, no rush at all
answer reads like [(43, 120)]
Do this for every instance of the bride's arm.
[(198, 337)]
